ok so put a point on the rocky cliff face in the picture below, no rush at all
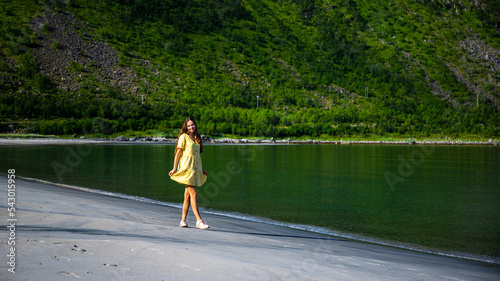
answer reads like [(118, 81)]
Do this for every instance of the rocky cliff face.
[(69, 52), (479, 58)]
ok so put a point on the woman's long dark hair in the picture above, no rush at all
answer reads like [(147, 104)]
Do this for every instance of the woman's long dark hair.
[(194, 136)]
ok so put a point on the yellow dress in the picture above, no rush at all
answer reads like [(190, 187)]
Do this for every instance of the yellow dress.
[(189, 168)]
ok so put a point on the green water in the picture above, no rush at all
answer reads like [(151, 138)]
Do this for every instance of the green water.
[(443, 197)]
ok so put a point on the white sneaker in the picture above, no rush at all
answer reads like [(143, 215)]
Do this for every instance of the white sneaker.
[(201, 224), (183, 223)]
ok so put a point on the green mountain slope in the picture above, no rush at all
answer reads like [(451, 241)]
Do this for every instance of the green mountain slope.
[(335, 67)]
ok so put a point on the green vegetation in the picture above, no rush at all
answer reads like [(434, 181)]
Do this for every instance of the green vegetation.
[(331, 68)]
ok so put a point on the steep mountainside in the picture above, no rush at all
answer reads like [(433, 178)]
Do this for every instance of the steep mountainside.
[(324, 67)]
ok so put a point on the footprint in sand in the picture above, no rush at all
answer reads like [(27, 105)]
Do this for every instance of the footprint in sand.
[(34, 240), (69, 273), (57, 258), (79, 250)]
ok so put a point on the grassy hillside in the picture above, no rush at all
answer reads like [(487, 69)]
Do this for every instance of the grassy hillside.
[(324, 67)]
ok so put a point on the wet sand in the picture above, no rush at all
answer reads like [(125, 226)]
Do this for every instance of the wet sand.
[(65, 234)]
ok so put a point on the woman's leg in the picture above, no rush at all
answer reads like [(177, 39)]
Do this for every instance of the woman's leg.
[(191, 190), (185, 205)]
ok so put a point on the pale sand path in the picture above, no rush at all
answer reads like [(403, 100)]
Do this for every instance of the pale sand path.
[(66, 234)]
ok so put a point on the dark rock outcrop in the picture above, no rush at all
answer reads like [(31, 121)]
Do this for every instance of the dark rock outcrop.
[(69, 52)]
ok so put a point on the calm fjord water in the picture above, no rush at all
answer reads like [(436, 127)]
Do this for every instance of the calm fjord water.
[(443, 197)]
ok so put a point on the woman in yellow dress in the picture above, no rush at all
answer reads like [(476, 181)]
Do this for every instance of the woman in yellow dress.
[(189, 170)]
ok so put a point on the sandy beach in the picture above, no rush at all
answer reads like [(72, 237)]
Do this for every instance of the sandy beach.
[(63, 234)]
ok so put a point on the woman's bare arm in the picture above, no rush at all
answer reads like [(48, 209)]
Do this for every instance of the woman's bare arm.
[(176, 161)]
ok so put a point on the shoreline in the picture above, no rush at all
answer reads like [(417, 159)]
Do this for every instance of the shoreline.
[(63, 232), (162, 140), (491, 260)]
